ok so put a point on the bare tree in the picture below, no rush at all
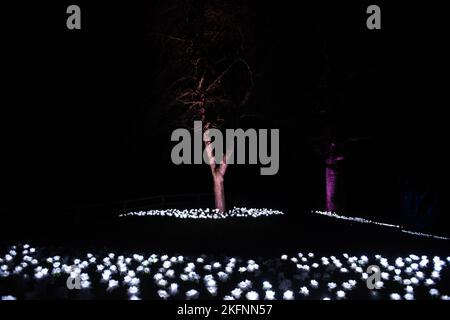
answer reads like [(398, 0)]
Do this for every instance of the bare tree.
[(213, 82)]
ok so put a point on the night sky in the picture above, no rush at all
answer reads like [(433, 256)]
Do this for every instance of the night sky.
[(82, 119)]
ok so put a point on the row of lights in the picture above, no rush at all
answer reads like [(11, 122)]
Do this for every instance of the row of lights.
[(205, 213), (366, 221)]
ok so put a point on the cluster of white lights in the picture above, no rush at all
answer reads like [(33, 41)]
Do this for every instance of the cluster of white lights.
[(199, 277), (362, 220), (205, 213)]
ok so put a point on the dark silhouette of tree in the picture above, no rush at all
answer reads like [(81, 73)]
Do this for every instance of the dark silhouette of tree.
[(333, 138)]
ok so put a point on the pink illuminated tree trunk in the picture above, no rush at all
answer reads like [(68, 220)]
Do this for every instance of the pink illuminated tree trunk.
[(218, 173), (219, 192), (331, 177)]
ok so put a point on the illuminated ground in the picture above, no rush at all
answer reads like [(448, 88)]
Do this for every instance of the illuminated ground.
[(271, 257), (36, 273)]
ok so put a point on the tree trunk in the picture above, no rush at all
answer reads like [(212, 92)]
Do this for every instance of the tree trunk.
[(332, 168), (330, 180), (218, 173), (219, 192)]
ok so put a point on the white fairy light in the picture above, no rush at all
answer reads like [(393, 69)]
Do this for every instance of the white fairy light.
[(163, 294), (18, 269), (133, 290), (162, 283), (246, 284), (210, 283), (184, 277), (85, 284), (56, 271), (409, 296), (384, 262), (414, 257), (314, 284), (267, 285), (252, 295), (435, 275), (170, 274), (395, 296), (331, 285), (242, 269), (434, 292), (113, 284), (304, 291), (236, 293), (288, 295), (173, 288), (340, 294), (399, 263), (429, 282), (207, 267), (222, 276), (106, 275), (423, 263), (269, 295), (347, 286)]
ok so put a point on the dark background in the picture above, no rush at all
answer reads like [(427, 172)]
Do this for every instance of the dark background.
[(80, 122)]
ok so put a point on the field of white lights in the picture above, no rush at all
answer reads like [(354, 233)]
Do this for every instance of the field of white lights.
[(29, 272)]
